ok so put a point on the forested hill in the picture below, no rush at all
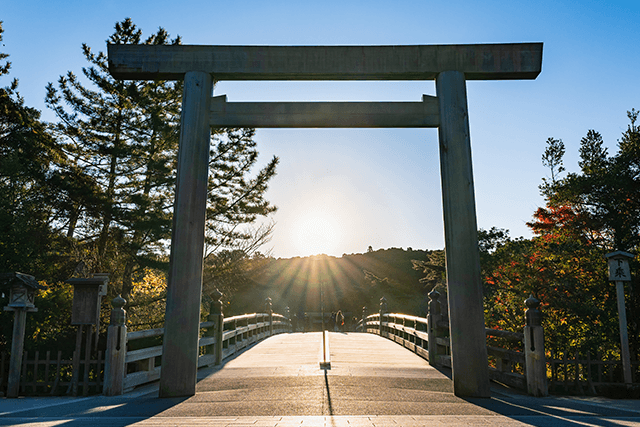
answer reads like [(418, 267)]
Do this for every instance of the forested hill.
[(348, 283)]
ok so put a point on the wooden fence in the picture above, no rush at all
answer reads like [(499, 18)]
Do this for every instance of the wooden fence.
[(54, 375), (575, 373)]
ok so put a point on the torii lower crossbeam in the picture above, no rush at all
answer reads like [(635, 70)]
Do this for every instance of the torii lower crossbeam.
[(449, 65)]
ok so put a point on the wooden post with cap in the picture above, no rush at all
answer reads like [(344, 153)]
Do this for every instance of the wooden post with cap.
[(536, 365), (114, 370)]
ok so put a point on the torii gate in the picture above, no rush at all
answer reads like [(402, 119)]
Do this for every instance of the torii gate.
[(449, 65)]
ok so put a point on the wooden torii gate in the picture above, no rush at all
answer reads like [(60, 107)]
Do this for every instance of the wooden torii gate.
[(449, 65)]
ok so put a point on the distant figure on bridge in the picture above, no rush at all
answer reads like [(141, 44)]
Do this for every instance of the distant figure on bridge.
[(339, 327)]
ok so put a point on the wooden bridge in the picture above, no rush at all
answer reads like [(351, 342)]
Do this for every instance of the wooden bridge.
[(278, 381)]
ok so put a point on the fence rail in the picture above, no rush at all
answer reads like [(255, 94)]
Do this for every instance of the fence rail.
[(572, 372), (54, 375)]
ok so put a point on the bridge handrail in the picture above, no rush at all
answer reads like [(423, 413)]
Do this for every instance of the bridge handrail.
[(139, 364), (148, 333), (414, 333)]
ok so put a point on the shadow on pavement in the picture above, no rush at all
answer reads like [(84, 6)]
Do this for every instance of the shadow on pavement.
[(95, 411), (117, 411), (558, 411)]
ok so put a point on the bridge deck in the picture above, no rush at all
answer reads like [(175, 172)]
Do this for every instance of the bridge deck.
[(369, 375), (278, 382)]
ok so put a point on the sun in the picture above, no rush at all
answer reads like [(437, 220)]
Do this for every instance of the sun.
[(316, 232)]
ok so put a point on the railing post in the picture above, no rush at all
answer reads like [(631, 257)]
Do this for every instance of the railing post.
[(235, 333), (433, 317), (217, 316), (382, 311), (364, 319), (287, 314), (114, 369), (536, 366), (268, 307)]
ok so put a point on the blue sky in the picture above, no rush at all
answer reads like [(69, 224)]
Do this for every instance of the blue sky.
[(342, 190)]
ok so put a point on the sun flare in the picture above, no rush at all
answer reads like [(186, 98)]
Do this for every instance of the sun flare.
[(317, 233)]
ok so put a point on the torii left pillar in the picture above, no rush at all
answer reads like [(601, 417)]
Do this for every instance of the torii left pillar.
[(180, 346), (449, 65)]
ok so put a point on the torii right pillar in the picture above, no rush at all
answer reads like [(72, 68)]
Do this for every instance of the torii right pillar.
[(466, 317), (449, 65)]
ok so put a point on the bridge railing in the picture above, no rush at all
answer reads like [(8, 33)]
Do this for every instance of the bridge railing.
[(428, 337), (411, 332), (135, 358)]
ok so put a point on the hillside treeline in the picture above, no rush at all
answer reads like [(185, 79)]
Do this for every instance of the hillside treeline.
[(347, 283)]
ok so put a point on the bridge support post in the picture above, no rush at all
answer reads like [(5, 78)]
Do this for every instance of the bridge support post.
[(536, 365), (468, 341), (287, 315), (114, 368), (182, 318), (383, 310), (217, 316), (268, 307), (364, 320), (433, 318)]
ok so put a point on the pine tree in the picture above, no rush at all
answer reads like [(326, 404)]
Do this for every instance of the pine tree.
[(27, 153), (121, 140)]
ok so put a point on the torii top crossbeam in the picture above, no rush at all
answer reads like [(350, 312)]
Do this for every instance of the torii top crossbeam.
[(418, 62), (449, 65)]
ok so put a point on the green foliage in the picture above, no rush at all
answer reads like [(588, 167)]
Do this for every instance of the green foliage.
[(149, 297), (435, 271), (606, 193), (552, 158), (47, 329), (28, 155), (122, 137), (588, 214), (120, 140), (567, 275)]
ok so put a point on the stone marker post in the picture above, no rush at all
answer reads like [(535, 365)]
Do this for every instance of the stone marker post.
[(17, 347), (115, 368), (619, 273), (184, 287), (22, 289), (536, 365), (466, 316)]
